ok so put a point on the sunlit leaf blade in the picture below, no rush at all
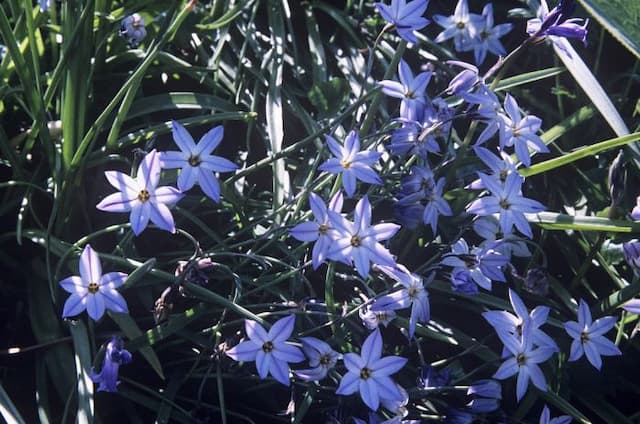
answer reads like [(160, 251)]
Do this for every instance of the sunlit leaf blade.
[(589, 84), (82, 352), (620, 18), (8, 410), (558, 221)]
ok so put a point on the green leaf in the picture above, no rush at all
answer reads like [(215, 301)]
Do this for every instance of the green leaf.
[(83, 370), (558, 221), (7, 409), (132, 331), (620, 18), (178, 100), (329, 97), (528, 77), (139, 273)]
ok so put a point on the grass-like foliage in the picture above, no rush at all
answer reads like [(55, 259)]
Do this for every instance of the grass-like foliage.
[(319, 211)]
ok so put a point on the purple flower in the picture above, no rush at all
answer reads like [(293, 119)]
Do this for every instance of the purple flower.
[(588, 336), (358, 242), (372, 319), (506, 322), (141, 196), (501, 166), (507, 200), (368, 373), (420, 137), (321, 358), (270, 350), (351, 162), (488, 227), (631, 251), (115, 356), (432, 378), (196, 162), (412, 294), (486, 394), (422, 186), (478, 265), (487, 36), (45, 5), (524, 361), (557, 23), (489, 110), (410, 90), (465, 80), (320, 229), (520, 131), (635, 212), (461, 26), (92, 290), (545, 417), (132, 30), (405, 17)]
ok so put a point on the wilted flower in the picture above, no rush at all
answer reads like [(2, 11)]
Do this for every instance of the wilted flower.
[(588, 336), (321, 358), (115, 356), (270, 350), (196, 162), (92, 290), (132, 30), (351, 163), (141, 196), (368, 373), (405, 17)]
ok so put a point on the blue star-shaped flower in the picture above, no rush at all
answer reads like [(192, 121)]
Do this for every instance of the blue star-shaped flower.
[(410, 90), (270, 349), (588, 336), (368, 373), (196, 162), (405, 17)]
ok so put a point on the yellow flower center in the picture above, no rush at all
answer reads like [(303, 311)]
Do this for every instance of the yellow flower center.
[(345, 164), (355, 241), (365, 373), (521, 359), (323, 228), (195, 161), (460, 25), (93, 288), (504, 204), (144, 195), (267, 347)]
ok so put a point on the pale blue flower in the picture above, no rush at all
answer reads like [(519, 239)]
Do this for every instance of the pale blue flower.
[(588, 336), (351, 163), (412, 294), (501, 166), (545, 417), (270, 350), (141, 196), (520, 131), (631, 251), (523, 361), (45, 5), (115, 356), (321, 359), (373, 319), (488, 227), (507, 200), (196, 162), (487, 394), (506, 322), (92, 290), (556, 23), (481, 265), (405, 17), (635, 212), (461, 26), (358, 242), (487, 36), (410, 90), (320, 229), (368, 373)]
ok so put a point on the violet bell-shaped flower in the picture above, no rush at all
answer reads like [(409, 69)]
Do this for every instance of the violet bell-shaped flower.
[(405, 17), (588, 337), (358, 242), (115, 356), (351, 163), (196, 162), (141, 196), (92, 290), (320, 230), (369, 373), (270, 350)]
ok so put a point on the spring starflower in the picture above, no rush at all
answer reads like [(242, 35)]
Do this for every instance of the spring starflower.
[(92, 290), (410, 90), (520, 131), (270, 349), (115, 356), (321, 359), (358, 242), (461, 26), (588, 336), (405, 17), (545, 417), (141, 196), (320, 230), (487, 37), (368, 373), (196, 162), (351, 163)]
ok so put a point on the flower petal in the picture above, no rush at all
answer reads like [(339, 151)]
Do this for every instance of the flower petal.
[(95, 306), (209, 141), (75, 304), (90, 268)]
